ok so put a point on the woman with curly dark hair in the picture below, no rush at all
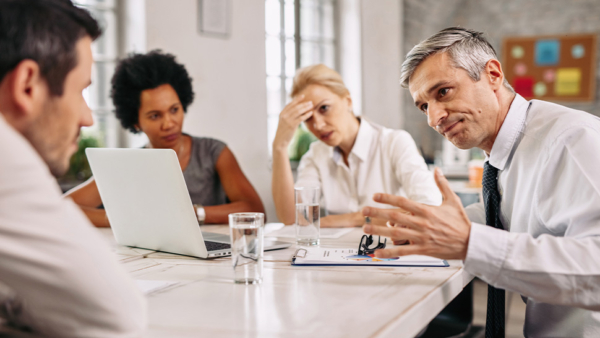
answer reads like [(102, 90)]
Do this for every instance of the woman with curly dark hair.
[(151, 93)]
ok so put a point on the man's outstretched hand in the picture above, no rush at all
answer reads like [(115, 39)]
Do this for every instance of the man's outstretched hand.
[(438, 231)]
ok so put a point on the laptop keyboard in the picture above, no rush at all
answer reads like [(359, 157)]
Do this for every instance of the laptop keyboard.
[(212, 246)]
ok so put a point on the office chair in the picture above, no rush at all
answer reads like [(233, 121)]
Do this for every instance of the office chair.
[(456, 319)]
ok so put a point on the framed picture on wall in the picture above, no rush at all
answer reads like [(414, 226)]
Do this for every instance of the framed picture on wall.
[(214, 18)]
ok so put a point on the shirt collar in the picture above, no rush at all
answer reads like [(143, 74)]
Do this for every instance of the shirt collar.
[(509, 132), (362, 144)]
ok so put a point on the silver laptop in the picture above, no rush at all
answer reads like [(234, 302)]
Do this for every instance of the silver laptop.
[(148, 204)]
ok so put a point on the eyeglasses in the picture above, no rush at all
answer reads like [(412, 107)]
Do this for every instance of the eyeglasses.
[(366, 241)]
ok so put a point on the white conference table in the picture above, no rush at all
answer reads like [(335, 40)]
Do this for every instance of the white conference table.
[(291, 301)]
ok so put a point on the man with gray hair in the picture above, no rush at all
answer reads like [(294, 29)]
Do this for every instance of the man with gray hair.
[(537, 230)]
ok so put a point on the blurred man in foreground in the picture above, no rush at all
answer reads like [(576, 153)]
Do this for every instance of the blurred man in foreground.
[(57, 276)]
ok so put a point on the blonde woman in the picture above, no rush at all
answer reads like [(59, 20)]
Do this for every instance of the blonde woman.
[(353, 159)]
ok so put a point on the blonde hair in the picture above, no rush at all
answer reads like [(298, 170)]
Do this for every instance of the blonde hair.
[(320, 75)]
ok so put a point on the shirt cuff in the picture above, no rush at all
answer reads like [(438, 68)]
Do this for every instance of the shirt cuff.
[(487, 251)]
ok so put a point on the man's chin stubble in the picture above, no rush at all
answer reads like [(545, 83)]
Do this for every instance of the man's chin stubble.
[(58, 168), (57, 163)]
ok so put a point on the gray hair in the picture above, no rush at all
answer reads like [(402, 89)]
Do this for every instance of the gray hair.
[(467, 49)]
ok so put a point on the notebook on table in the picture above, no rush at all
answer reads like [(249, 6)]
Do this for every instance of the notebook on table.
[(350, 257)]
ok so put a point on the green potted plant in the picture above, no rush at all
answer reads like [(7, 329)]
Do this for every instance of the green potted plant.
[(79, 169), (300, 143)]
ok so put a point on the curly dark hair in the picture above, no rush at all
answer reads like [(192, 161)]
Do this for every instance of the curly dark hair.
[(139, 72)]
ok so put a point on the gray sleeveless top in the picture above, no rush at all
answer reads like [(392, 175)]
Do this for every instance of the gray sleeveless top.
[(201, 175)]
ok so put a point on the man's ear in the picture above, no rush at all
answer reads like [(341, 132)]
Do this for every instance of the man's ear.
[(28, 89), (494, 74)]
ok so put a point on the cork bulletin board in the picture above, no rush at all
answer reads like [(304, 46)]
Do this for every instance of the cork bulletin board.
[(551, 68)]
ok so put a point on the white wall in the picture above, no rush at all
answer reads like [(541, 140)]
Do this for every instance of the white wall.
[(349, 50), (370, 41), (381, 39), (132, 30), (229, 80), (229, 74)]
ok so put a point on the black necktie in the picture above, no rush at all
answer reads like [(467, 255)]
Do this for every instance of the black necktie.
[(494, 322)]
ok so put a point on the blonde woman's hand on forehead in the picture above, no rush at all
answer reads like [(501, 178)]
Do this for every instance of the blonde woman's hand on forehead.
[(290, 118)]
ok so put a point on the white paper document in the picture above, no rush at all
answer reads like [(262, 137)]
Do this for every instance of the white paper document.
[(149, 286), (337, 256), (325, 233)]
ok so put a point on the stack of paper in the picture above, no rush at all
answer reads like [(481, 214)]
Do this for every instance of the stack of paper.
[(324, 256)]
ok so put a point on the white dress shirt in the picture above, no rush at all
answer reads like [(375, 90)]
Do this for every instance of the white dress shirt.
[(549, 161), (58, 277), (382, 160)]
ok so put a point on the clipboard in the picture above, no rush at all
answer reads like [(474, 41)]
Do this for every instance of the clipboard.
[(349, 257)]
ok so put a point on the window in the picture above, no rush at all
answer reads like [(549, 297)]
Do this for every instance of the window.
[(105, 128), (298, 33)]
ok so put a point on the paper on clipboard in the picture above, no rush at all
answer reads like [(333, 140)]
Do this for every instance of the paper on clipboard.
[(337, 256)]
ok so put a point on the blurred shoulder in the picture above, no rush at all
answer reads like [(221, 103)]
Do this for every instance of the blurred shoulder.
[(207, 141), (22, 169), (552, 121), (318, 150), (396, 138)]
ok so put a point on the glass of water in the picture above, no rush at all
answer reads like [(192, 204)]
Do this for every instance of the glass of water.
[(307, 215), (247, 246)]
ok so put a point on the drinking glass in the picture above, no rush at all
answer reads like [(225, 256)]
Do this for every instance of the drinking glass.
[(307, 215), (247, 246)]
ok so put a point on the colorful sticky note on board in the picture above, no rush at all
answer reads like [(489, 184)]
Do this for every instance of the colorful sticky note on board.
[(547, 52), (577, 51), (568, 81), (520, 69), (549, 75), (524, 86), (540, 89), (517, 52)]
